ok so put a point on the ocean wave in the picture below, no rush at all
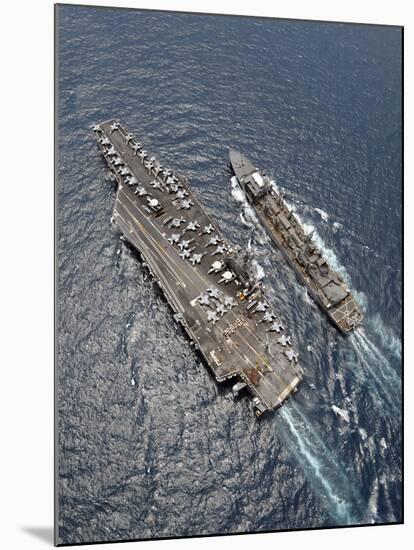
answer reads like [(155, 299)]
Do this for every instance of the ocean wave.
[(388, 338), (260, 272), (324, 215), (379, 372), (341, 412)]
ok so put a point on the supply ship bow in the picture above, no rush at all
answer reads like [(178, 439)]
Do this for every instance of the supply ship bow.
[(323, 284), (207, 282)]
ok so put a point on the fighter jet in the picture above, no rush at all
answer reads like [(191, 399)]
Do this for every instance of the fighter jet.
[(143, 154), (157, 169), (261, 306), (213, 241), (219, 250), (177, 222), (105, 141), (175, 237), (111, 151), (267, 317), (291, 355), (132, 180), (283, 340), (185, 204), (196, 259), (212, 316), (156, 184), (214, 293), (229, 301), (128, 138), (221, 309), (276, 327), (136, 147), (165, 175), (185, 254), (204, 300), (117, 161), (125, 171), (140, 191), (192, 226), (183, 244), (96, 127), (207, 230), (114, 126), (181, 194)]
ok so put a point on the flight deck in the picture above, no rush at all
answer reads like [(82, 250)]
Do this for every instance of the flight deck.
[(209, 284)]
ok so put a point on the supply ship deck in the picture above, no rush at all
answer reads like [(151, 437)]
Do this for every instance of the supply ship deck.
[(323, 284), (208, 283)]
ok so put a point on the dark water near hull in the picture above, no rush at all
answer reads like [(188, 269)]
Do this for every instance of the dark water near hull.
[(149, 444)]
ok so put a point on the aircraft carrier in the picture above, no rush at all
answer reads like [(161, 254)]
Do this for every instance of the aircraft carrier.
[(209, 284), (323, 284)]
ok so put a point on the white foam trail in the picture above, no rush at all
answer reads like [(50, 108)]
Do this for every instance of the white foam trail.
[(341, 412), (363, 434), (244, 221), (248, 216), (373, 501), (272, 183), (310, 456), (388, 339), (361, 299), (260, 273), (387, 371), (328, 253), (306, 297), (236, 190), (381, 371), (381, 374), (291, 206), (324, 215)]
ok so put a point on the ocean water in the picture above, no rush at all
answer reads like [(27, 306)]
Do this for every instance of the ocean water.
[(149, 444)]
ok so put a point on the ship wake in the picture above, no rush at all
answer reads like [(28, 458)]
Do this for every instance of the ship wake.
[(381, 373), (321, 467)]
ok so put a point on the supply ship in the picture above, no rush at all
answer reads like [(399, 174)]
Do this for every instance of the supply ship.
[(209, 284), (323, 284)]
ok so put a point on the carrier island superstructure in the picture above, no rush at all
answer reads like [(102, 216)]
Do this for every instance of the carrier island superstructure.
[(323, 284), (209, 284)]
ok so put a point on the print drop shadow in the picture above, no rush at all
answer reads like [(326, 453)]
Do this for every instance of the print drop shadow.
[(44, 534)]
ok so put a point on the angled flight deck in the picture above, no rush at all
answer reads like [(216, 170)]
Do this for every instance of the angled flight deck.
[(208, 283), (323, 284)]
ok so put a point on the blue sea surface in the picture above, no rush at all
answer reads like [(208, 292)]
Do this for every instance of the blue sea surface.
[(149, 444)]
